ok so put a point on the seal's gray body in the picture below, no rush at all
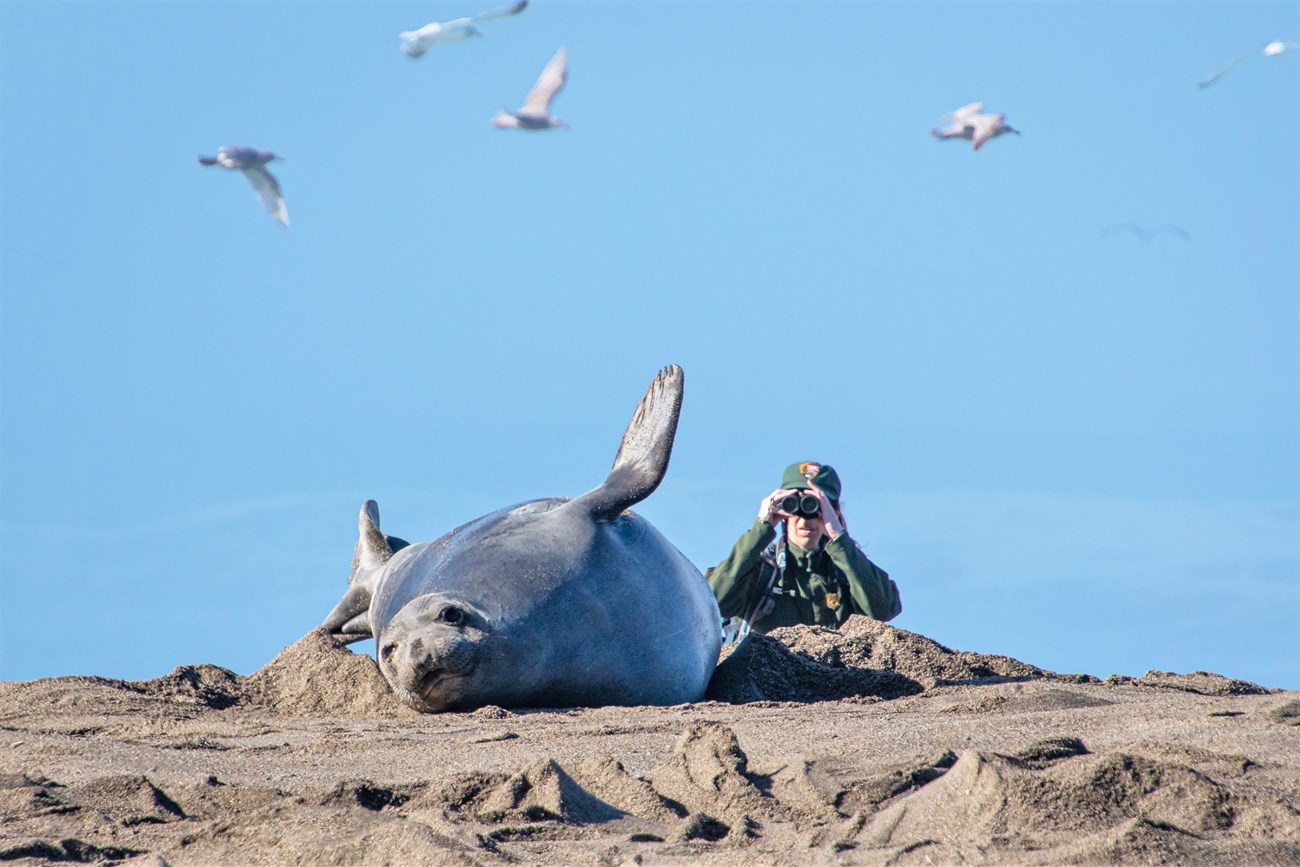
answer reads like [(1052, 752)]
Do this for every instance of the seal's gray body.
[(582, 612), (551, 603)]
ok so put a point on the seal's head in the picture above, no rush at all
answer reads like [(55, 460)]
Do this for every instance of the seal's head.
[(430, 651)]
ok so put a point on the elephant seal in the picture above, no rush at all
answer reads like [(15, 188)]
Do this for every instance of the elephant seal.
[(551, 603)]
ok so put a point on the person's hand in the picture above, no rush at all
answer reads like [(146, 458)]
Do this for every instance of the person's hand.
[(770, 510), (830, 518)]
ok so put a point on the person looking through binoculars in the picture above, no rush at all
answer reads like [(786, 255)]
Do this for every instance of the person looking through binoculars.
[(798, 564)]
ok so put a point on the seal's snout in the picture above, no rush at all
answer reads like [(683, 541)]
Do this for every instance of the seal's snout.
[(413, 669), (421, 667), (411, 660)]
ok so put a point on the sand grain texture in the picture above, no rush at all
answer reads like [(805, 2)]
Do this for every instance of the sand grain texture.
[(872, 745)]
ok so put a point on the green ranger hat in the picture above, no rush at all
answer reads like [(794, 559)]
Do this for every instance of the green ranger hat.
[(822, 475)]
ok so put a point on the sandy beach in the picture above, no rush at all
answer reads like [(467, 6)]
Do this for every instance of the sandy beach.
[(873, 745)]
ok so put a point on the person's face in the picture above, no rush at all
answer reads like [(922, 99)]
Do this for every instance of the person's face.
[(804, 532)]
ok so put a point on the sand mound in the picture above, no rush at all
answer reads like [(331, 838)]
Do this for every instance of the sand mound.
[(366, 794), (1046, 699), (350, 825), (703, 791), (764, 669), (708, 773), (989, 797), (1288, 713), (318, 676), (123, 802), (870, 659), (865, 658), (1200, 682), (209, 686), (850, 796), (608, 780), (870, 644), (542, 792), (129, 800), (314, 677)]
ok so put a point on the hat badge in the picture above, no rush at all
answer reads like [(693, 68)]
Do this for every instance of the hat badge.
[(808, 469)]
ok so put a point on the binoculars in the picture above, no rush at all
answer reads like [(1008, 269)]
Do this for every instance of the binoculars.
[(800, 505)]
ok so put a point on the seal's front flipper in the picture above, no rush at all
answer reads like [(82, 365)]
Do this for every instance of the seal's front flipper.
[(642, 457), (350, 619)]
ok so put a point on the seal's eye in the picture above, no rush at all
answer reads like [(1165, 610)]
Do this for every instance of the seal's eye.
[(386, 652), (452, 615)]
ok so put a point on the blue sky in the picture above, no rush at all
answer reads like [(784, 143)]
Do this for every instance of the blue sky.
[(1069, 446)]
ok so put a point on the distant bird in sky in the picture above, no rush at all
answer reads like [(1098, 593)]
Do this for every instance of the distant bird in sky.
[(251, 162), (536, 112), (1147, 234), (416, 42), (1271, 50), (970, 123)]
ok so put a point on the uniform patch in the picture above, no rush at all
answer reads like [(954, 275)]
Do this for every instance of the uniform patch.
[(809, 470), (832, 599)]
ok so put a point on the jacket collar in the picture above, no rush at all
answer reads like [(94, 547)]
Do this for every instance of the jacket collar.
[(804, 559)]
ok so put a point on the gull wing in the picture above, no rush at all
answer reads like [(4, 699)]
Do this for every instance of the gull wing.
[(952, 131), (268, 190), (958, 121), (1125, 227), (504, 119), (1207, 81), (984, 127), (1171, 229), (512, 9), (548, 84)]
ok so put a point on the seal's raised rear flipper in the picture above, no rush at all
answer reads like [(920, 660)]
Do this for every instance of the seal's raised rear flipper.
[(350, 619), (642, 457)]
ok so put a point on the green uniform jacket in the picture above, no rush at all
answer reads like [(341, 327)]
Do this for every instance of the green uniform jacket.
[(839, 572)]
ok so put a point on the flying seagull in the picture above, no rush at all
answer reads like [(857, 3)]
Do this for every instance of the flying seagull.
[(251, 162), (1148, 234), (536, 112), (968, 123), (1271, 50), (416, 42)]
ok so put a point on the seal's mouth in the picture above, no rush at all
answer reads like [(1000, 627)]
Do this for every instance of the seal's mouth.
[(437, 686), (435, 691), (431, 679)]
